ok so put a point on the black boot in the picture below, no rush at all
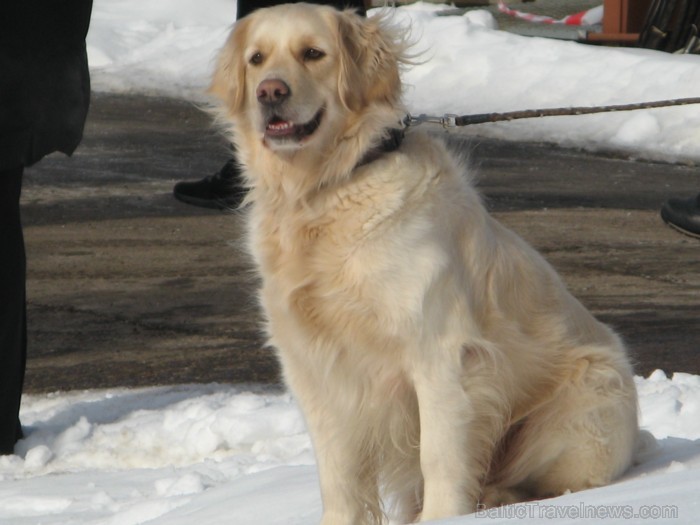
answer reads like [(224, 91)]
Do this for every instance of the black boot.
[(683, 215), (221, 191)]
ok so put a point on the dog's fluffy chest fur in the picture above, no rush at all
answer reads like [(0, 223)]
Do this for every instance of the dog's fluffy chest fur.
[(339, 260)]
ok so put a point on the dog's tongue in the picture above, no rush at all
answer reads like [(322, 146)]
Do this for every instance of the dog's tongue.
[(279, 127)]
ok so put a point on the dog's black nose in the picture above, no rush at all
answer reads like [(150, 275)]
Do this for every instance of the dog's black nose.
[(272, 91)]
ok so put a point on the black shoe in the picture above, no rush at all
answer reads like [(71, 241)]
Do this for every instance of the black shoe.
[(221, 191), (683, 215)]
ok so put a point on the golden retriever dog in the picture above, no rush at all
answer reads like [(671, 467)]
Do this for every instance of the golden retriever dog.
[(439, 361)]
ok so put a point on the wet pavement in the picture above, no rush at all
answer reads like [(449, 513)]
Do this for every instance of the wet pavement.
[(129, 287)]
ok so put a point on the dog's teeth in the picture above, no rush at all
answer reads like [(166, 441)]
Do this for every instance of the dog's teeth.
[(280, 125)]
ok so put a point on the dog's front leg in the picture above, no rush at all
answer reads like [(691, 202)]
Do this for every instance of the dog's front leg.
[(451, 484), (348, 487), (340, 484)]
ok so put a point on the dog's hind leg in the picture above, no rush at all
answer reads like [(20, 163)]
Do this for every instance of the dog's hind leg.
[(585, 437)]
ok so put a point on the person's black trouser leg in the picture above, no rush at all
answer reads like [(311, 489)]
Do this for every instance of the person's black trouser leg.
[(13, 323), (246, 6)]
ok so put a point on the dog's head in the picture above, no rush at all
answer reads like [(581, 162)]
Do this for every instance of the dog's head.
[(293, 73)]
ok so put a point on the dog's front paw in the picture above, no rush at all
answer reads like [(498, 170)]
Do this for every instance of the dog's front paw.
[(494, 496)]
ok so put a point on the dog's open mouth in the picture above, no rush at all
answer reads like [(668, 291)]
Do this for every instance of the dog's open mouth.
[(279, 129)]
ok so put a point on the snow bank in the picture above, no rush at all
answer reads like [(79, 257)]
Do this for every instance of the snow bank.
[(471, 68), (211, 454), (466, 66)]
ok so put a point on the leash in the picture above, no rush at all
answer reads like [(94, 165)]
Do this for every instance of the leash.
[(450, 120)]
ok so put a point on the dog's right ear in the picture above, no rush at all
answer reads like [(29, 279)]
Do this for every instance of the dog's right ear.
[(228, 81)]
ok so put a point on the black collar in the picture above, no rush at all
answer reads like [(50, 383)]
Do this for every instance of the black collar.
[(392, 140)]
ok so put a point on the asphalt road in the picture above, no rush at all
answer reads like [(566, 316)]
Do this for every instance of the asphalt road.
[(129, 287)]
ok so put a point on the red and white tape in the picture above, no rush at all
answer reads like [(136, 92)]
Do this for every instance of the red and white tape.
[(584, 18)]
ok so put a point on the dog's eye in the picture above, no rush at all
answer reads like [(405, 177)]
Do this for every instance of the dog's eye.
[(313, 54), (256, 59)]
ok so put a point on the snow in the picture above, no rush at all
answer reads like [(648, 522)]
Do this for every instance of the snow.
[(209, 454), (212, 454), (464, 66)]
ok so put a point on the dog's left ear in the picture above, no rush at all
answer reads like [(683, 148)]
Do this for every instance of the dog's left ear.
[(370, 54), (228, 82)]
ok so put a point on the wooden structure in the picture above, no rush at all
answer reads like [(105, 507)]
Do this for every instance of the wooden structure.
[(622, 21)]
